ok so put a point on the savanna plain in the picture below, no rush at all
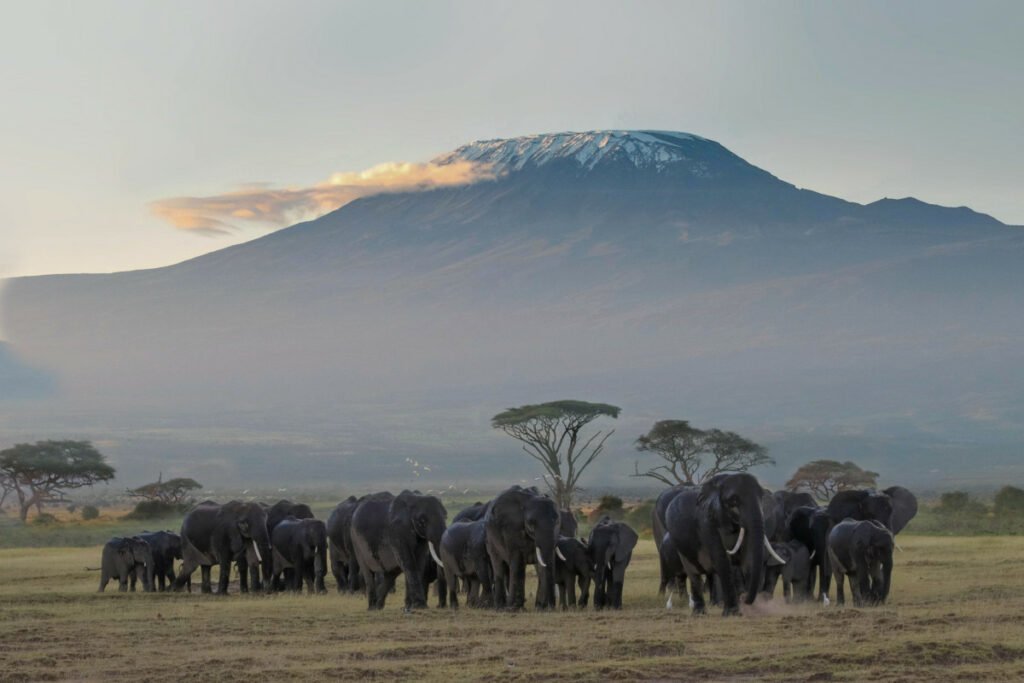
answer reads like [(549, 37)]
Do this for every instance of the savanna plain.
[(956, 612)]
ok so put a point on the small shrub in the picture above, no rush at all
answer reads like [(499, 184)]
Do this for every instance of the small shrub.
[(1009, 502), (71, 508), (639, 517), (90, 512), (608, 506), (44, 518), (156, 509)]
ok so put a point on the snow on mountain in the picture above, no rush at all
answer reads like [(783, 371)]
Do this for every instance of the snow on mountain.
[(645, 149)]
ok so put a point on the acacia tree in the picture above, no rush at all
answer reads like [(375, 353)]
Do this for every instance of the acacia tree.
[(824, 478), (172, 492), (41, 472), (550, 433), (693, 455)]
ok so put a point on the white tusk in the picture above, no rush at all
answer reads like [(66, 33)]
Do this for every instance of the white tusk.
[(433, 553), (825, 601), (609, 566), (560, 555), (812, 555), (259, 558), (739, 541), (897, 545), (540, 560), (668, 603), (771, 551)]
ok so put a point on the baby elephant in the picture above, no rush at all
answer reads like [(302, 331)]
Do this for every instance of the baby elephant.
[(795, 573), (611, 547), (166, 548), (862, 551), (127, 559), (572, 566)]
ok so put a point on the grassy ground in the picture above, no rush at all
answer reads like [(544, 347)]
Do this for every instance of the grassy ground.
[(957, 612)]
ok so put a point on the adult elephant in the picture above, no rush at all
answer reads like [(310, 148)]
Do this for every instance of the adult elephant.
[(474, 512), (463, 551), (777, 507), (522, 527), (283, 509), (904, 507), (165, 547), (717, 529), (127, 560), (611, 547), (400, 534), (861, 550), (300, 552), (573, 566), (863, 504), (659, 528), (810, 524), (221, 534), (344, 565)]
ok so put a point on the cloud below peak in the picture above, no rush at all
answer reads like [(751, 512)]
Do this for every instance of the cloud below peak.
[(277, 207)]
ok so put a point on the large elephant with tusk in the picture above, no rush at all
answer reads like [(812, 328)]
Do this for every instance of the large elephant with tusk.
[(400, 534), (221, 534), (718, 530), (522, 528)]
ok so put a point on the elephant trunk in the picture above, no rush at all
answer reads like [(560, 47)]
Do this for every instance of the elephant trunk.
[(753, 522)]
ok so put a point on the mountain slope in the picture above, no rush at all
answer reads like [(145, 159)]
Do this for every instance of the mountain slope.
[(654, 270)]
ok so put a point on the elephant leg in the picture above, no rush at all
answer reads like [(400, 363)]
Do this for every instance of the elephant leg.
[(584, 583), (225, 578), (442, 589), (131, 580), (161, 579), (372, 588), (104, 580), (122, 582), (840, 597), (498, 569), (568, 596), (786, 589), (206, 586), (243, 576), (697, 593)]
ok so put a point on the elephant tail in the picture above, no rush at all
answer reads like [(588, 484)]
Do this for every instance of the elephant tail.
[(92, 569)]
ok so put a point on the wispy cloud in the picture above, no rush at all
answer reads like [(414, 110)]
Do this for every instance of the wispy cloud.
[(276, 207)]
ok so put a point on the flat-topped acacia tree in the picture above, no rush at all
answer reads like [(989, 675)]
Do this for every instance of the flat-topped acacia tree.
[(550, 433), (40, 473)]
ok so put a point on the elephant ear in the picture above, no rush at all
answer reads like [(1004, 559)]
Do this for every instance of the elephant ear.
[(709, 499), (627, 541), (904, 507)]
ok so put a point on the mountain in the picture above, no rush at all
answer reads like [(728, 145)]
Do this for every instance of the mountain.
[(653, 270)]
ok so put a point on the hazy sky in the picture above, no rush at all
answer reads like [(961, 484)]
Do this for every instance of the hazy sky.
[(106, 107)]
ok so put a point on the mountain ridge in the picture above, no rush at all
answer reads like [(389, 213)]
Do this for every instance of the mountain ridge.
[(397, 324)]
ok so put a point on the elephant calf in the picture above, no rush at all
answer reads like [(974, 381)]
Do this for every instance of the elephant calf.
[(573, 566), (464, 554), (128, 560), (300, 552), (862, 551), (166, 548), (795, 573), (611, 547)]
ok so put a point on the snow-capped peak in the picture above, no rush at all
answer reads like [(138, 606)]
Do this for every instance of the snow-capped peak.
[(644, 148)]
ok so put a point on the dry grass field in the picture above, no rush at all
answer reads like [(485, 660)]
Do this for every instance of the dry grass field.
[(957, 612)]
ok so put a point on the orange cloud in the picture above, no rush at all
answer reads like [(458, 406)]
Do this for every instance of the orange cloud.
[(277, 207)]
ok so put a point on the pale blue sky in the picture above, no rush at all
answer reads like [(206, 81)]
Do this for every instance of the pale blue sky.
[(107, 106)]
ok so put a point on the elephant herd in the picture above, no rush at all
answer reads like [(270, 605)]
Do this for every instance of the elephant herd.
[(731, 537), (728, 538)]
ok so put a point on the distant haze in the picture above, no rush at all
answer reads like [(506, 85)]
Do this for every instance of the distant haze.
[(653, 270)]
